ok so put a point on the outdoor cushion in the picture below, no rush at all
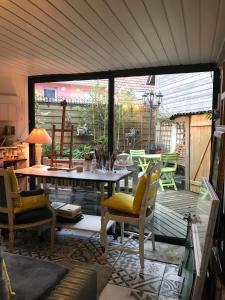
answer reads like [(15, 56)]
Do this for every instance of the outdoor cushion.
[(26, 217)]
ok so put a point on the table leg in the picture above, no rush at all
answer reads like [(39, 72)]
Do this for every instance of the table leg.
[(126, 184), (102, 191)]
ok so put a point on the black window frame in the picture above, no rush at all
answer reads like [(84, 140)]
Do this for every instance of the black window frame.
[(111, 76)]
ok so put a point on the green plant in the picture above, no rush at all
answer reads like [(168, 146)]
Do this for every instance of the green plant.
[(102, 139), (209, 115), (95, 114), (39, 114), (46, 150)]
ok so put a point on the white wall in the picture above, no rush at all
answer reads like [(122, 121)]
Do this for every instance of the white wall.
[(16, 85)]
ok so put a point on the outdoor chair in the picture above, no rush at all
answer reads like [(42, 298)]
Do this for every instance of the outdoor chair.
[(136, 210), (170, 162), (23, 210), (141, 162)]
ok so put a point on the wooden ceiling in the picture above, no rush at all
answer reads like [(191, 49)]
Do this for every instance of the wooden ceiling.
[(77, 36)]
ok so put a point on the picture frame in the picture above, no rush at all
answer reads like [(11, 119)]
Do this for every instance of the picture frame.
[(218, 162), (217, 178)]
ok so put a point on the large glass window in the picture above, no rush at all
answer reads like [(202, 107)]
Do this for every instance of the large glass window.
[(87, 111)]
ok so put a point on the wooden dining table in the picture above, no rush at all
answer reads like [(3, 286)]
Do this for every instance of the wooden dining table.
[(89, 223)]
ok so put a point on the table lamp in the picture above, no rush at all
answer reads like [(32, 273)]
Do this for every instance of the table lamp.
[(38, 136)]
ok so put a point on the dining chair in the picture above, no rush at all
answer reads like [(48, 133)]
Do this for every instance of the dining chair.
[(170, 162), (23, 209), (137, 210)]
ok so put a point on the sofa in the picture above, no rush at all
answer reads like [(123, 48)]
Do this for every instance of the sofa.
[(33, 279)]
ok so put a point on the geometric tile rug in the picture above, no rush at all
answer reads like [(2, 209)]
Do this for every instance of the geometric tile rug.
[(158, 281)]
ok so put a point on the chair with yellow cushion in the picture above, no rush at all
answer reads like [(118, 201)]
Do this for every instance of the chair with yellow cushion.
[(136, 210), (23, 210)]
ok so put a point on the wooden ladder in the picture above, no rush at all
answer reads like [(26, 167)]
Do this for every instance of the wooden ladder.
[(54, 154)]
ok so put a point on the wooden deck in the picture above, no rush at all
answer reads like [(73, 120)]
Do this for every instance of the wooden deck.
[(170, 209)]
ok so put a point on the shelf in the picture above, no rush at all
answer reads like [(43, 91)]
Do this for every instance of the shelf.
[(8, 147), (14, 160), (88, 223)]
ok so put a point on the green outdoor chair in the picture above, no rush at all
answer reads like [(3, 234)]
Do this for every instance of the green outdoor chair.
[(170, 162), (135, 155)]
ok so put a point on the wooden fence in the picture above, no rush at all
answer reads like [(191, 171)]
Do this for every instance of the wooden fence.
[(49, 113)]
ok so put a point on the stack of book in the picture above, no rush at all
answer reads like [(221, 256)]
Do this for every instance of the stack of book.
[(67, 212)]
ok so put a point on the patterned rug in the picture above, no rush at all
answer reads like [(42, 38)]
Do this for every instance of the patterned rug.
[(158, 280)]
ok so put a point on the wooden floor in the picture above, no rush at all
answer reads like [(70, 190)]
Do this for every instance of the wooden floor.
[(170, 209)]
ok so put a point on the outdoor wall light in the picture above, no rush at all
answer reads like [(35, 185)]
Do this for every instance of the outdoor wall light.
[(153, 99)]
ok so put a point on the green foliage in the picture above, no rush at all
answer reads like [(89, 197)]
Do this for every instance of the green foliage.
[(76, 153), (95, 114), (46, 149), (39, 115), (102, 139), (209, 115)]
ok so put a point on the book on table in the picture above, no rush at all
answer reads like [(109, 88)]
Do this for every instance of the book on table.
[(66, 210)]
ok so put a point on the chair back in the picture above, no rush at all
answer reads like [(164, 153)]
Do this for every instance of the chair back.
[(153, 173), (3, 201), (170, 158), (5, 191), (136, 153)]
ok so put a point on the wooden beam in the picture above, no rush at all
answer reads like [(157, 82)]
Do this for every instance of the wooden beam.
[(187, 152), (206, 67)]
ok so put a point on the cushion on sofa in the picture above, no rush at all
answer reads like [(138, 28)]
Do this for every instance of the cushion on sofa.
[(32, 279)]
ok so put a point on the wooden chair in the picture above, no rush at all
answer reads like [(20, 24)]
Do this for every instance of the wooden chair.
[(170, 162), (18, 212), (145, 215)]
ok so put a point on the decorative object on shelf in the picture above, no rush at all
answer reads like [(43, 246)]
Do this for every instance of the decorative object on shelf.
[(11, 155), (38, 136)]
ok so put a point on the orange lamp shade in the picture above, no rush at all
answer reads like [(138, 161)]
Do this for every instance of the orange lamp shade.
[(38, 136)]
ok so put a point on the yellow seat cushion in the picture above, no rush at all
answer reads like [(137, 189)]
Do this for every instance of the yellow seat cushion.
[(120, 201), (28, 203), (13, 180), (127, 203)]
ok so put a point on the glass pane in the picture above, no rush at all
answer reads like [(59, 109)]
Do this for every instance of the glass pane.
[(86, 110)]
